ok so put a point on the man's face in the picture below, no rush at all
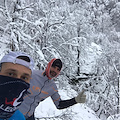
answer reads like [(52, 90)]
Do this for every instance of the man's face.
[(16, 71), (54, 71)]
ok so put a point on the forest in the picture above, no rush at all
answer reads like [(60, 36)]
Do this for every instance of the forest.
[(84, 34)]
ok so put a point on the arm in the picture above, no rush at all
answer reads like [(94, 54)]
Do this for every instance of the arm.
[(66, 103), (61, 104)]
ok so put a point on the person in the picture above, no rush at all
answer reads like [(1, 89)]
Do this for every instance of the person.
[(15, 74), (43, 86)]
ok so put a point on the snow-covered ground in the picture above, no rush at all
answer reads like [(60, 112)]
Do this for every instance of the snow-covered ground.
[(47, 109)]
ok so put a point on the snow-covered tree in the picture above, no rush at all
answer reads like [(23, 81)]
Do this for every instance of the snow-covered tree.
[(84, 34)]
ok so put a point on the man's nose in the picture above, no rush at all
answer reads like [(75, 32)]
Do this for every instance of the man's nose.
[(55, 69), (18, 76)]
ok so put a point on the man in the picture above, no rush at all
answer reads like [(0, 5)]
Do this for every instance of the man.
[(43, 86), (15, 74)]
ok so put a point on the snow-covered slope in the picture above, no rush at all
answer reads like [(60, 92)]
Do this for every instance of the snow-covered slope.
[(47, 109)]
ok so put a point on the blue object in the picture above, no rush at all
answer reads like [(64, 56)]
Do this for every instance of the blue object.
[(16, 116)]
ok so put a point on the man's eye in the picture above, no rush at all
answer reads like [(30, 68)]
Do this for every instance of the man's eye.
[(11, 74), (24, 78)]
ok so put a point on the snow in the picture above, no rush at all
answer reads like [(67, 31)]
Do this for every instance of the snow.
[(40, 54), (90, 53), (3, 48), (76, 112), (115, 117)]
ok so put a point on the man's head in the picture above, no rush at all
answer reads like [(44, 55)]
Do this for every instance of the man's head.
[(17, 65), (53, 68), (57, 63), (15, 75)]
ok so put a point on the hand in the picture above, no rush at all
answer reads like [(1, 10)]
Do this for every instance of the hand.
[(81, 97)]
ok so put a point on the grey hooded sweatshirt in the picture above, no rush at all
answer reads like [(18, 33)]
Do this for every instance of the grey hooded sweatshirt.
[(40, 88)]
